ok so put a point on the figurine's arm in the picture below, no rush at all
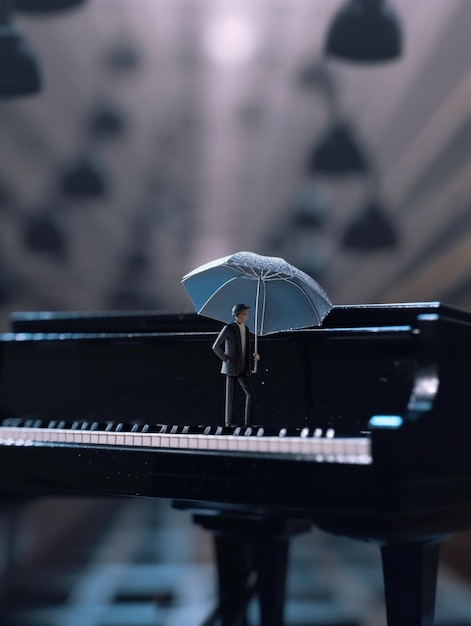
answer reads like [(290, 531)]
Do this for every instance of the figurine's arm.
[(217, 345)]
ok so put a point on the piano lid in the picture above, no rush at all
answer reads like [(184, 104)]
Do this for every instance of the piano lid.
[(341, 316)]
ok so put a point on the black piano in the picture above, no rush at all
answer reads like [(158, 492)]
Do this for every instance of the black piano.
[(363, 429)]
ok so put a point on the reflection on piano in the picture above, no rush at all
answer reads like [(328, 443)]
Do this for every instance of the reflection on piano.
[(364, 432)]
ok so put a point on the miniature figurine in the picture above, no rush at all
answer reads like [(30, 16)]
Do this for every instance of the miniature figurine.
[(236, 362)]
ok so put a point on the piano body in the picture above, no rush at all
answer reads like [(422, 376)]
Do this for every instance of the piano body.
[(363, 430)]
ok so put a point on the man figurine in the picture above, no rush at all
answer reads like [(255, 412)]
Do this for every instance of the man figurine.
[(236, 362)]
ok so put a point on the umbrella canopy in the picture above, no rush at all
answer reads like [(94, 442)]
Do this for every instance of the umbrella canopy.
[(280, 296)]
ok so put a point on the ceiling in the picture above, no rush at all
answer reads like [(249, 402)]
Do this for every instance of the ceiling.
[(216, 128)]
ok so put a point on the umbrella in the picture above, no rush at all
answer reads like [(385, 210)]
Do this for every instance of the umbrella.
[(281, 296)]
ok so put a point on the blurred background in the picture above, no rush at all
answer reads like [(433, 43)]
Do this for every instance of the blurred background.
[(155, 135), (141, 138)]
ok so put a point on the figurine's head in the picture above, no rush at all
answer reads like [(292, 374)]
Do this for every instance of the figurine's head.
[(240, 312)]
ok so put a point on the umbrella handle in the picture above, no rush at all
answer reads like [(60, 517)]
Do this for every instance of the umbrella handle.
[(255, 362)]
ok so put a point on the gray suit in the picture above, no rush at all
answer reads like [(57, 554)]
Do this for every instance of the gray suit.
[(236, 368)]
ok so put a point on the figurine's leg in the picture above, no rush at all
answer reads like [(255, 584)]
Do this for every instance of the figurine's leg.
[(410, 576), (230, 396), (246, 385)]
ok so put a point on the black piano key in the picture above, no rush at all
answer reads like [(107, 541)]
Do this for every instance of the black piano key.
[(139, 427), (32, 423), (286, 432), (227, 430), (12, 422), (123, 427), (195, 430), (155, 428)]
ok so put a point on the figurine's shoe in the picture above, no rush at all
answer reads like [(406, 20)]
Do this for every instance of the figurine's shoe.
[(230, 425)]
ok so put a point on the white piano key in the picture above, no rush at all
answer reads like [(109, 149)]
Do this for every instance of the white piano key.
[(221, 443), (274, 444), (242, 444), (203, 442), (262, 445), (295, 446)]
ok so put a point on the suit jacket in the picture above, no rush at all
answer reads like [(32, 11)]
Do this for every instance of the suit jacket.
[(230, 337)]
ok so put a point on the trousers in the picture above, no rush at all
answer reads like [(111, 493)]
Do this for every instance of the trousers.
[(246, 385)]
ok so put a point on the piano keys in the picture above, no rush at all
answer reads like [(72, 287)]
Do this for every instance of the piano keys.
[(240, 440)]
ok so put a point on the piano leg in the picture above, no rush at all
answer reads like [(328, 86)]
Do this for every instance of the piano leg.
[(252, 557), (236, 585), (410, 577)]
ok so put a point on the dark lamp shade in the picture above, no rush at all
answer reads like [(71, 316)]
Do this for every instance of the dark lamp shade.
[(84, 181), (43, 234), (123, 57), (19, 69), (365, 31), (106, 122), (370, 230), (46, 6), (337, 154)]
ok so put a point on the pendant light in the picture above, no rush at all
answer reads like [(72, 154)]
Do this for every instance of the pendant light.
[(84, 180), (19, 68), (371, 230), (337, 153), (365, 31), (44, 234), (46, 6)]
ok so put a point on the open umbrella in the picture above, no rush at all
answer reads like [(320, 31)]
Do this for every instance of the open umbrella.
[(282, 296)]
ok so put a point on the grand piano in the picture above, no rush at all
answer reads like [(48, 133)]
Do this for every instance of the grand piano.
[(362, 430)]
